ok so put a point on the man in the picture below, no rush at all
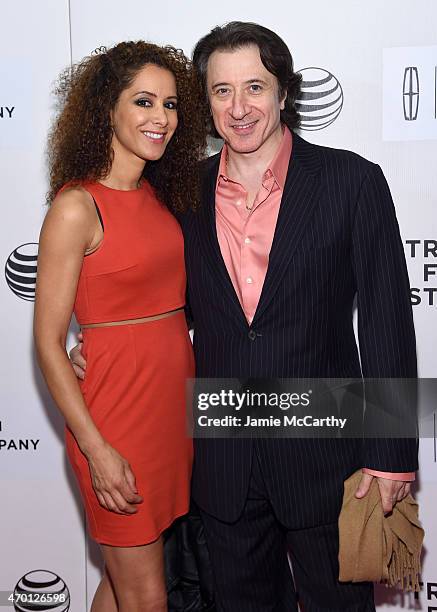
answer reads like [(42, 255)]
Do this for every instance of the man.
[(287, 235)]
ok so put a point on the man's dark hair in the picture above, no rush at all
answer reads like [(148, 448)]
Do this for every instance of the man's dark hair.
[(274, 53)]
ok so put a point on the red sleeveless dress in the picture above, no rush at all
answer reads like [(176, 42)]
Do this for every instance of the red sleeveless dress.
[(136, 373)]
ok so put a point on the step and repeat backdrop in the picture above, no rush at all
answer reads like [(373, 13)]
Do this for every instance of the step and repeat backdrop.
[(371, 69)]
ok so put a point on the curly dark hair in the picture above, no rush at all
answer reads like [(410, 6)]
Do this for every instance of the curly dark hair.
[(275, 56), (79, 146)]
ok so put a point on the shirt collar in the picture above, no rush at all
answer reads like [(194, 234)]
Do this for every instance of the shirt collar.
[(278, 166)]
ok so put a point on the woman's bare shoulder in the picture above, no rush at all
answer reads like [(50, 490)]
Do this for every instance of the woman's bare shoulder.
[(74, 205)]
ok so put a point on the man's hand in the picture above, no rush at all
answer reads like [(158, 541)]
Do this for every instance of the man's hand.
[(391, 491), (77, 359)]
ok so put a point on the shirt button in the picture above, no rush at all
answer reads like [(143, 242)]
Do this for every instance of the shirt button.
[(252, 335), (247, 240), (249, 280), (238, 202)]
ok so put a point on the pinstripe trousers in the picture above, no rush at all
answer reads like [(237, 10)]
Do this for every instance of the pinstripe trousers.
[(252, 570)]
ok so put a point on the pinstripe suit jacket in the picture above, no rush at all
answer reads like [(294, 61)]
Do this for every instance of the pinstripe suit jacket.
[(336, 238)]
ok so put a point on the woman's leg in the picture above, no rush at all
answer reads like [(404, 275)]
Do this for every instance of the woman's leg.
[(137, 574), (104, 600)]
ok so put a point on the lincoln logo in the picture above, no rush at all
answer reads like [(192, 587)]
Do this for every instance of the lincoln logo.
[(41, 590), (20, 271), (411, 93), (320, 100)]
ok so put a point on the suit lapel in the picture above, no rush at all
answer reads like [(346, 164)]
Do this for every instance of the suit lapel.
[(301, 194), (207, 236)]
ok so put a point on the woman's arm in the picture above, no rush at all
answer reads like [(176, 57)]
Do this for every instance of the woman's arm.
[(68, 231)]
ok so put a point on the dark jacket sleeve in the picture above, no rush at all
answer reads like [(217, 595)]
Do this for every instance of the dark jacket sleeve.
[(188, 312), (183, 220), (385, 324)]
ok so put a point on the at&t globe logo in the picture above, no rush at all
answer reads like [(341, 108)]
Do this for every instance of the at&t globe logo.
[(41, 590), (320, 100), (20, 270)]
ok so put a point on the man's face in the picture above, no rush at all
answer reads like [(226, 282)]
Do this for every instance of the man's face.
[(244, 99)]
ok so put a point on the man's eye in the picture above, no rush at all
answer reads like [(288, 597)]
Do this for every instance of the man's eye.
[(255, 88), (143, 102), (222, 91)]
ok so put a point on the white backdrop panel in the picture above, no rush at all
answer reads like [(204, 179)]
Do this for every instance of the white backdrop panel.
[(347, 38), (367, 46)]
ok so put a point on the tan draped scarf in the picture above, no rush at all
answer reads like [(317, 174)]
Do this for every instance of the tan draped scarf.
[(379, 548)]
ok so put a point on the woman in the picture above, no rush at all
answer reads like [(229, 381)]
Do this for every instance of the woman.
[(128, 138)]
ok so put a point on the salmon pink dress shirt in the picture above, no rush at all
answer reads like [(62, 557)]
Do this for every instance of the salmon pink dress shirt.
[(245, 235)]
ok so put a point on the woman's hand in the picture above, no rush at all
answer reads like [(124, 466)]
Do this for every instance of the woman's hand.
[(113, 480)]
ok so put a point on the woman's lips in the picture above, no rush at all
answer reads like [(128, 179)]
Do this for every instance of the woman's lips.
[(157, 137)]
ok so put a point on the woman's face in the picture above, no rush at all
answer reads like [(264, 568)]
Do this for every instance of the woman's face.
[(145, 116)]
